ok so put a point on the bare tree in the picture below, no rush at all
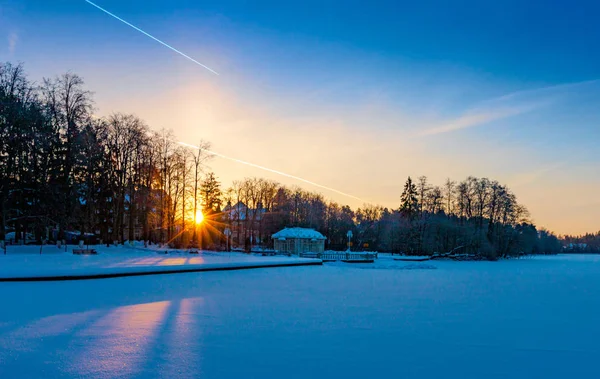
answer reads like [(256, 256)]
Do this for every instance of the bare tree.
[(199, 159), (449, 188), (422, 189), (69, 108), (126, 137)]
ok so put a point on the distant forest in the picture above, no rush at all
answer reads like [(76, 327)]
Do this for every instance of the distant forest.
[(587, 243), (63, 170)]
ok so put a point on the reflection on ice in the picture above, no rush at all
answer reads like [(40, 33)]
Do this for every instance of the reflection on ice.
[(117, 343)]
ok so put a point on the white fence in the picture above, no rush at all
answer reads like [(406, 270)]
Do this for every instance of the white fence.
[(344, 256)]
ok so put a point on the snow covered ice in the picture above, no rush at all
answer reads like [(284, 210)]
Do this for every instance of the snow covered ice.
[(527, 318)]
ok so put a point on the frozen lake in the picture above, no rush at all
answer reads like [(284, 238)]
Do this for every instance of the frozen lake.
[(530, 318)]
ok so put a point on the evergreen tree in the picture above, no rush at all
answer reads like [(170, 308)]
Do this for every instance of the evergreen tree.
[(210, 191), (409, 203)]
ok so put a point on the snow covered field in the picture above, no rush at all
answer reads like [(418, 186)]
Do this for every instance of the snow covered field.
[(26, 261), (528, 318)]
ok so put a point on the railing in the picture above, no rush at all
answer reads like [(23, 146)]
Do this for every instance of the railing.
[(341, 256), (310, 255)]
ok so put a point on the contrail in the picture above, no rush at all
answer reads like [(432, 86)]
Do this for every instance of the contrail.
[(273, 171), (151, 36)]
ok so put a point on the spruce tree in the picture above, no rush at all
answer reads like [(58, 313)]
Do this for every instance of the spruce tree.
[(211, 193), (409, 204)]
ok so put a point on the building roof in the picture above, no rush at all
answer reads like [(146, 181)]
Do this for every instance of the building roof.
[(240, 211), (299, 233)]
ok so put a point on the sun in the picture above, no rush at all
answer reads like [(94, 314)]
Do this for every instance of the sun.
[(199, 217)]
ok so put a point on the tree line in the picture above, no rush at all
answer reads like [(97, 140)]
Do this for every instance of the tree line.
[(586, 243), (474, 216), (62, 169)]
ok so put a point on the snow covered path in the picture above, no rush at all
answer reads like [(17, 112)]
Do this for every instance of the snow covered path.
[(533, 318), (25, 263)]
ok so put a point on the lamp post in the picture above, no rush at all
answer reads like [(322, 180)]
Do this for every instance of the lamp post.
[(3, 241), (227, 233), (349, 235)]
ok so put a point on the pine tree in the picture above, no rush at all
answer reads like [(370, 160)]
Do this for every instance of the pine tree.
[(211, 193), (409, 203)]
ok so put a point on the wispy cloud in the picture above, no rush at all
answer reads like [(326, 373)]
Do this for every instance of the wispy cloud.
[(544, 90), (13, 38), (478, 117), (511, 104)]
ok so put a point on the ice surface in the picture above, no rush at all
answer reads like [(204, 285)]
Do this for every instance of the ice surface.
[(527, 318)]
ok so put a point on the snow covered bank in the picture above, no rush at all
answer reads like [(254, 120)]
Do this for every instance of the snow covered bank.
[(25, 263)]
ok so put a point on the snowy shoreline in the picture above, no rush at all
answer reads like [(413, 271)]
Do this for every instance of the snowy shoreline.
[(26, 265)]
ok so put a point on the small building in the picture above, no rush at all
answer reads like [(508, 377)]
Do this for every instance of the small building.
[(298, 240), (245, 223)]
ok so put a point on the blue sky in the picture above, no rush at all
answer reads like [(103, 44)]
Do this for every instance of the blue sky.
[(505, 89)]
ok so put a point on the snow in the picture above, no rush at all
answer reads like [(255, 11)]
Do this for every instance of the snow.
[(11, 236), (26, 261), (526, 318), (302, 233)]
